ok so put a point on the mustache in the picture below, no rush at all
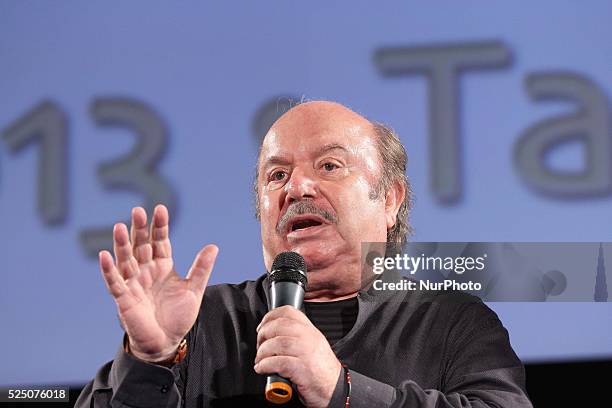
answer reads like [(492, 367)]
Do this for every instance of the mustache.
[(300, 208)]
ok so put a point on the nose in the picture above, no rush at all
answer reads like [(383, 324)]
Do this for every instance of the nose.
[(301, 185)]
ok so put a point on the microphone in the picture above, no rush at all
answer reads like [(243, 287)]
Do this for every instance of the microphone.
[(287, 285)]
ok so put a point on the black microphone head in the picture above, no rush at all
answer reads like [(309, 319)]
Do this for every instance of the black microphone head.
[(289, 260), (289, 267)]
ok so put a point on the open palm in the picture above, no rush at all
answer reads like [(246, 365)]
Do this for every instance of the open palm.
[(156, 306)]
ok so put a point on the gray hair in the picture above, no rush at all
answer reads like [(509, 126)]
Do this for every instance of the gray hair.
[(393, 161)]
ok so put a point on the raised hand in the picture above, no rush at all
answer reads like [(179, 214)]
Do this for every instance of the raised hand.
[(156, 306)]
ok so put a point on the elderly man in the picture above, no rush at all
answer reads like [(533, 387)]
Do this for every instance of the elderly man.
[(327, 181)]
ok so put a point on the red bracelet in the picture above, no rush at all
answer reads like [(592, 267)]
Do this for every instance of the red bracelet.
[(347, 381)]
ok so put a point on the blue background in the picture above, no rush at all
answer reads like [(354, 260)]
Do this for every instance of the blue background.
[(206, 68)]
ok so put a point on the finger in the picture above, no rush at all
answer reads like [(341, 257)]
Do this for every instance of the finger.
[(285, 366), (283, 311), (139, 233), (282, 326), (202, 267), (126, 263), (114, 282), (160, 238), (279, 346)]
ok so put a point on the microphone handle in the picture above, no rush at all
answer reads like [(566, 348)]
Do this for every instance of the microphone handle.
[(278, 389)]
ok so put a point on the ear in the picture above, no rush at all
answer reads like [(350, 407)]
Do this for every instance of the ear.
[(393, 200)]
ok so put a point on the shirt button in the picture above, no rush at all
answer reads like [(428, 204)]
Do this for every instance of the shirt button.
[(164, 389)]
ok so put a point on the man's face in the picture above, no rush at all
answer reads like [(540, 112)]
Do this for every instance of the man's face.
[(317, 169)]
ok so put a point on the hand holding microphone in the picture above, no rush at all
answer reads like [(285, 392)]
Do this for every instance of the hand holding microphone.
[(289, 347)]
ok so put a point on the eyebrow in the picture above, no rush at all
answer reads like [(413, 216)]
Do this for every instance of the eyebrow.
[(331, 146), (284, 161)]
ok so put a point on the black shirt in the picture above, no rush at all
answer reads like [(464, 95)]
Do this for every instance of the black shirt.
[(405, 349), (333, 319)]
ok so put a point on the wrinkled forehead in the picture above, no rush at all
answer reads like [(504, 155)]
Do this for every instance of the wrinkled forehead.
[(309, 131)]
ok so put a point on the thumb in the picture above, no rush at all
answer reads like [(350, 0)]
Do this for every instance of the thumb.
[(202, 267)]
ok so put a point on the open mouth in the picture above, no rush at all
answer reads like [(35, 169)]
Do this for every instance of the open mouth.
[(303, 224)]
